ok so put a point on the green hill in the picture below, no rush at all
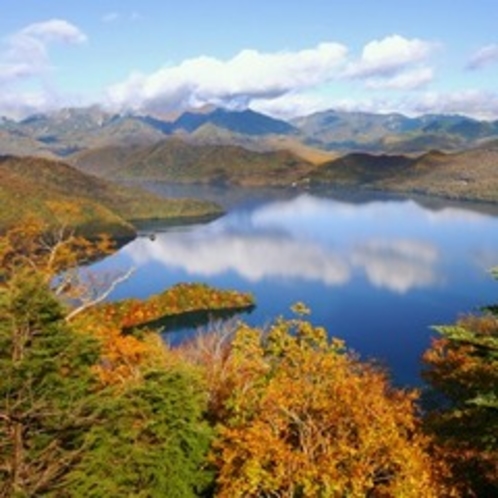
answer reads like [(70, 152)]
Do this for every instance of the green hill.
[(175, 160), (59, 193)]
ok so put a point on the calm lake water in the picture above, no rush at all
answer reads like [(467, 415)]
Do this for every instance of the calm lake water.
[(375, 272)]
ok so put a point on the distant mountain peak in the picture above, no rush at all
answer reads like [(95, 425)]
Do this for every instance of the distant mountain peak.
[(240, 121)]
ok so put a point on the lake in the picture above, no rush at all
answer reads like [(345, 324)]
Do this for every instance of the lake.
[(377, 272)]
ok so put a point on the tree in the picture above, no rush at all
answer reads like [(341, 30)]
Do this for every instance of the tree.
[(64, 429), (299, 416), (47, 393), (152, 443), (462, 369), (59, 257)]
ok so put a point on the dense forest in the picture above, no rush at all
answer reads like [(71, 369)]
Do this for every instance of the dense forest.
[(93, 403)]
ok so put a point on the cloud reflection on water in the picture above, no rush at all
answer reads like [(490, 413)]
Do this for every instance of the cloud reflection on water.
[(398, 265), (304, 238)]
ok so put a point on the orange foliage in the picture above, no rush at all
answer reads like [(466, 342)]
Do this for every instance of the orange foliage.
[(463, 367), (123, 352), (300, 416)]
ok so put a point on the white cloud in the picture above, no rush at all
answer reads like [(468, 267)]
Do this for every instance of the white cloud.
[(393, 63), (112, 17), (57, 30), (480, 104), (25, 56), (485, 56), (389, 56), (476, 103), (407, 80), (236, 82), (19, 104), (276, 83), (291, 105), (26, 53)]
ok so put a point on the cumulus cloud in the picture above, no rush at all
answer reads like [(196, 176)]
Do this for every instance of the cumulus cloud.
[(278, 83), (18, 104), (393, 63), (387, 57), (235, 82), (485, 56)]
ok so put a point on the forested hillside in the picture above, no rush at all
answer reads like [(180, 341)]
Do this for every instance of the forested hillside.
[(57, 193), (92, 403)]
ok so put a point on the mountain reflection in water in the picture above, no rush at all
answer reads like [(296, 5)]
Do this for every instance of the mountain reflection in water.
[(378, 274)]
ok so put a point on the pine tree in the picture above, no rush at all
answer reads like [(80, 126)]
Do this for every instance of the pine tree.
[(47, 399), (153, 442)]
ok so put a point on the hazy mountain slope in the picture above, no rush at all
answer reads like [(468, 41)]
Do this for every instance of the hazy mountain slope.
[(67, 131), (70, 130), (51, 189), (471, 175), (361, 169), (16, 143), (393, 133), (210, 134), (175, 160)]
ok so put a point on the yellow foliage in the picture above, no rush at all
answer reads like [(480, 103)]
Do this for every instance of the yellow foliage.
[(300, 416)]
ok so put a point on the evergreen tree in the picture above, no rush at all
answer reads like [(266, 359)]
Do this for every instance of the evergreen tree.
[(47, 400), (152, 443), (64, 431)]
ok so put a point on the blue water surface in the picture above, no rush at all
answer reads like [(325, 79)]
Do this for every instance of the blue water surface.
[(377, 273)]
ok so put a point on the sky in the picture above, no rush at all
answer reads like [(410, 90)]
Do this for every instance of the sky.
[(282, 58)]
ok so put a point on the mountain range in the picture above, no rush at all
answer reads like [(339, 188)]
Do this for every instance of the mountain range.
[(315, 137), (451, 156)]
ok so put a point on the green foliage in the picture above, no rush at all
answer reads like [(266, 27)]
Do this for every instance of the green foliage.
[(62, 431), (47, 394), (152, 443)]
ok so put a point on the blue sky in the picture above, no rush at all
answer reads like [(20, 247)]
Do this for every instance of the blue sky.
[(278, 57)]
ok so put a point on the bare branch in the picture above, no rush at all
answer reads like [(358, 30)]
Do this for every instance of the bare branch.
[(101, 297)]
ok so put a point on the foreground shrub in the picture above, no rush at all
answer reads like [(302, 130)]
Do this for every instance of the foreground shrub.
[(299, 416)]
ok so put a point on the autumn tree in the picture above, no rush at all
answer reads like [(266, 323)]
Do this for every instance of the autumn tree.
[(462, 368), (299, 416), (65, 428), (59, 257)]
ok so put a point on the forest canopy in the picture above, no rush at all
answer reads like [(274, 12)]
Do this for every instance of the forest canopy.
[(95, 403)]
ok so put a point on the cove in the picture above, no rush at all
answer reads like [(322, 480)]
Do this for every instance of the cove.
[(377, 272)]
